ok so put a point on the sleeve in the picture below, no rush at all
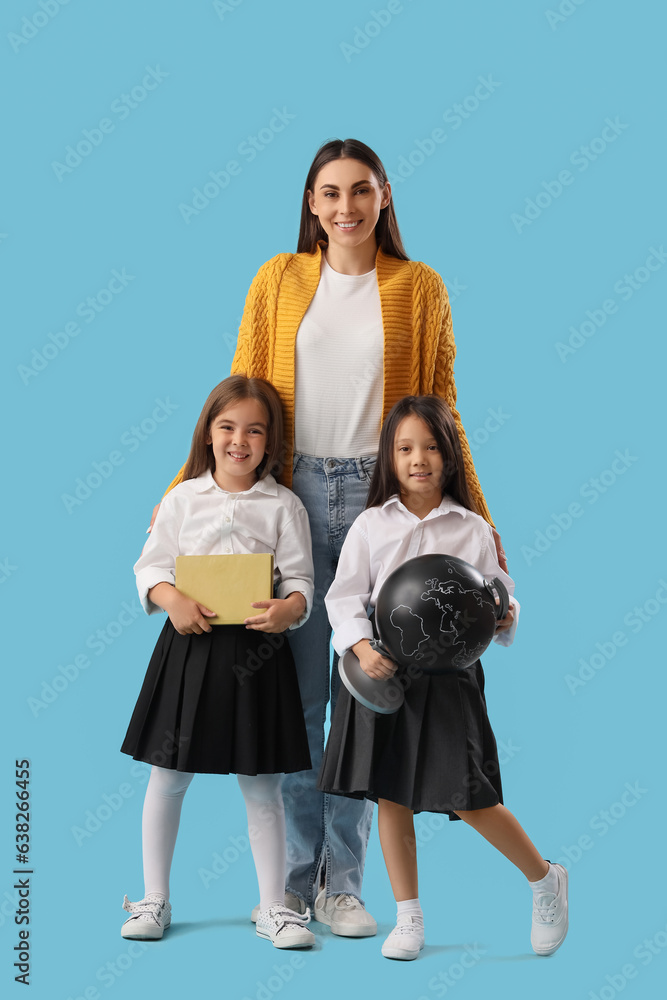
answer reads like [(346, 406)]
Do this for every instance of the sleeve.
[(444, 386), (348, 596), (157, 562), (294, 561), (489, 567)]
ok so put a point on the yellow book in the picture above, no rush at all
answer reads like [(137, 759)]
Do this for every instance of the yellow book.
[(227, 584)]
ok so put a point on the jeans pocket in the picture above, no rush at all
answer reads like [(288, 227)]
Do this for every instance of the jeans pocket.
[(295, 462), (367, 467)]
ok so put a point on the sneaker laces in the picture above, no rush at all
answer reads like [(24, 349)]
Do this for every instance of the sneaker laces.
[(347, 902), (406, 928), (284, 917), (544, 907), (149, 907)]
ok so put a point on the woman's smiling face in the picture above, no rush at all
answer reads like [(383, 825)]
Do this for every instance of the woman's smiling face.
[(347, 200)]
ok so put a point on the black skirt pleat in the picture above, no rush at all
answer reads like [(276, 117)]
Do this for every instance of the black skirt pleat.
[(224, 702), (437, 753)]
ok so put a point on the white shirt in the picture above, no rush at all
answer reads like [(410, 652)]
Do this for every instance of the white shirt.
[(339, 368), (383, 538), (197, 518)]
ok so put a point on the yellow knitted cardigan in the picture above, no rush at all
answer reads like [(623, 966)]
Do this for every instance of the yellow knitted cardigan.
[(419, 348)]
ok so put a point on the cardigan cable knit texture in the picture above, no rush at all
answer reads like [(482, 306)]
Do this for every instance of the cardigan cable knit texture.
[(419, 348)]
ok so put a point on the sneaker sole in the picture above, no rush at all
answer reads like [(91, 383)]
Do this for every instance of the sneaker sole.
[(347, 930), (144, 932), (290, 942), (401, 954)]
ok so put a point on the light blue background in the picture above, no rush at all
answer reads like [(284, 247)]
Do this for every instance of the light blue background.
[(169, 335)]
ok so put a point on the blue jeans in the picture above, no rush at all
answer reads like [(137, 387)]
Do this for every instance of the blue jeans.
[(322, 828)]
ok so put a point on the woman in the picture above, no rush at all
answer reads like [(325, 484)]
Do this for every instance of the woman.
[(343, 329)]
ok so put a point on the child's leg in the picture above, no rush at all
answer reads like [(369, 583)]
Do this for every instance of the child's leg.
[(397, 837), (548, 881), (497, 825), (161, 816), (266, 832)]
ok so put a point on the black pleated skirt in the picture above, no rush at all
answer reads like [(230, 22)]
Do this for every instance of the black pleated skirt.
[(224, 702), (437, 753)]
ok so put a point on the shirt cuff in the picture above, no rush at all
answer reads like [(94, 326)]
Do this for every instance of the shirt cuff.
[(287, 587), (506, 638), (350, 632), (146, 580)]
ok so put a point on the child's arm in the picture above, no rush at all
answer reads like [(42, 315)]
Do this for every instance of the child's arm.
[(156, 572), (294, 562), (347, 600), (488, 565)]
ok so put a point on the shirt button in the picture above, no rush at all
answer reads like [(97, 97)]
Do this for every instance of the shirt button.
[(228, 550), (228, 519)]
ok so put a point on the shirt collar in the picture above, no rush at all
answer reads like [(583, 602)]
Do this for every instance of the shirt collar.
[(447, 505), (206, 483)]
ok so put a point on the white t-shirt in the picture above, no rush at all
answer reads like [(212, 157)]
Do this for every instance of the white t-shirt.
[(339, 368)]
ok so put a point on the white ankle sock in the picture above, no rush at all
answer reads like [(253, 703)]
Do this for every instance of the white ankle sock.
[(412, 908), (549, 883)]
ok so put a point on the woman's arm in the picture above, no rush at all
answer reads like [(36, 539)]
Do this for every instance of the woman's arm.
[(445, 386)]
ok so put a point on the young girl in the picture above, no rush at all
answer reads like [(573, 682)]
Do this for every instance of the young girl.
[(224, 698), (437, 752)]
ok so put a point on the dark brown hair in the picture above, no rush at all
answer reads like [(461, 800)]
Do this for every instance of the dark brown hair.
[(232, 390), (439, 419), (387, 234)]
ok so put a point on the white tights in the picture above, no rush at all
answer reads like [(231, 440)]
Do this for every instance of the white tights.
[(266, 829)]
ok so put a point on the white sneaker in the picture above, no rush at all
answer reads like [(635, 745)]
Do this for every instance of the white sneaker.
[(293, 902), (284, 928), (550, 920), (151, 916), (406, 940), (345, 915)]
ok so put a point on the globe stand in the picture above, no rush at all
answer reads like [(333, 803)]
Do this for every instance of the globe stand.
[(384, 697)]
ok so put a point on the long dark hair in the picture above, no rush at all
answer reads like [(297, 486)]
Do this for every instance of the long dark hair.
[(232, 390), (387, 233), (439, 419)]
